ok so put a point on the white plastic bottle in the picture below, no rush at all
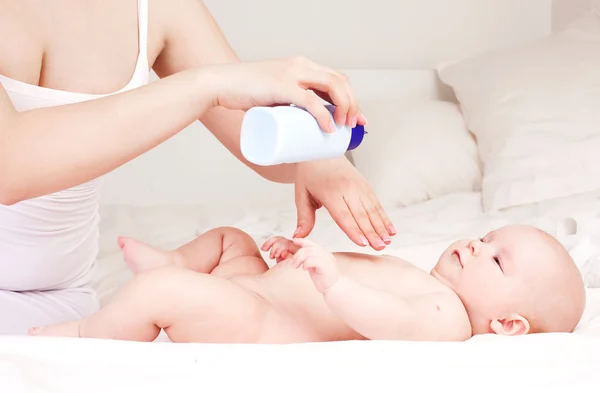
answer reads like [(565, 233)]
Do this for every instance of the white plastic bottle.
[(290, 134)]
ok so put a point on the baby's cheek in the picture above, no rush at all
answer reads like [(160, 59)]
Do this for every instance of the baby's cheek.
[(477, 283)]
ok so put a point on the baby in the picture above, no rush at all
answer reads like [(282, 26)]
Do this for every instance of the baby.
[(218, 289)]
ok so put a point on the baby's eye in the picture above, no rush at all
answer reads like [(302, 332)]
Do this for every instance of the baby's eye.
[(497, 260)]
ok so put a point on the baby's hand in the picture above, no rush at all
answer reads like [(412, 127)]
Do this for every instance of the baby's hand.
[(281, 248), (319, 262)]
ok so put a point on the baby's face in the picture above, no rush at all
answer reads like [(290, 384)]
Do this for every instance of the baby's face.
[(504, 271)]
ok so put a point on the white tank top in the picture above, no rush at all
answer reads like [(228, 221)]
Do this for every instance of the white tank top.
[(51, 242)]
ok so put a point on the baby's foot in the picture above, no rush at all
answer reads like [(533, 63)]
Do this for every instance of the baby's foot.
[(140, 256), (65, 329)]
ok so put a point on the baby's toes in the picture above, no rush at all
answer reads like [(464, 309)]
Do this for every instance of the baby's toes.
[(35, 331), (65, 329), (121, 241)]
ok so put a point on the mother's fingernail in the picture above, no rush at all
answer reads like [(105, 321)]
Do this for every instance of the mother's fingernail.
[(331, 127), (364, 119), (379, 243), (354, 121), (392, 230), (364, 241)]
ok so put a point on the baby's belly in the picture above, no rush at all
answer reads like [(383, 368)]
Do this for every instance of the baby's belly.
[(292, 293)]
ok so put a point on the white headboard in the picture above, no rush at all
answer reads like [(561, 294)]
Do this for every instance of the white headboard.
[(387, 47)]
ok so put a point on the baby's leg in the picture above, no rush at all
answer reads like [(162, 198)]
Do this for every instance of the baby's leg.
[(189, 306), (222, 251)]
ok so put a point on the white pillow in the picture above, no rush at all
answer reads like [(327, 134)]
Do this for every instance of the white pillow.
[(415, 151), (535, 111), (580, 238)]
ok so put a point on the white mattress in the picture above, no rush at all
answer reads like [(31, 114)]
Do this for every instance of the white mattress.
[(564, 362)]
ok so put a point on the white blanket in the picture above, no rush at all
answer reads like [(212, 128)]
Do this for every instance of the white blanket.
[(564, 362)]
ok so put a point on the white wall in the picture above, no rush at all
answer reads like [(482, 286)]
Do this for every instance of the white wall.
[(564, 11), (378, 33), (402, 34)]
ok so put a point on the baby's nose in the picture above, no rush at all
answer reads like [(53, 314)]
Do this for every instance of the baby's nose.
[(474, 247)]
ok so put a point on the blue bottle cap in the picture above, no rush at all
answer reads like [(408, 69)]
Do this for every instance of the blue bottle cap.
[(358, 133)]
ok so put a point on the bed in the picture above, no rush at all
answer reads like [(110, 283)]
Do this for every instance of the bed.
[(561, 362), (442, 138)]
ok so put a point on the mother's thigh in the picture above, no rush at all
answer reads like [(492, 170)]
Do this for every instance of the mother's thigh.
[(21, 310)]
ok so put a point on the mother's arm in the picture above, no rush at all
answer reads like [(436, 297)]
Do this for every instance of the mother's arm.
[(53, 148), (193, 39)]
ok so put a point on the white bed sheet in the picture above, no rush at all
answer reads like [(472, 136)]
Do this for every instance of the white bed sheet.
[(551, 361)]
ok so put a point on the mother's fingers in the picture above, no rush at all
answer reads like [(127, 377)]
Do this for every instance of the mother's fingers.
[(330, 87), (352, 110), (363, 219), (389, 226), (348, 114), (343, 217), (309, 101), (376, 220)]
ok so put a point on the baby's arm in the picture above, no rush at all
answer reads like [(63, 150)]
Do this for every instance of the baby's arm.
[(380, 315)]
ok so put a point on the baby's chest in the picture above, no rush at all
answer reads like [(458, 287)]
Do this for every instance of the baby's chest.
[(398, 279)]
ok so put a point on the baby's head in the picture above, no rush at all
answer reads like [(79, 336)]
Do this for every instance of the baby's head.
[(515, 280)]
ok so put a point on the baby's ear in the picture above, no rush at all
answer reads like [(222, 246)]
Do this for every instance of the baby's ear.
[(514, 325)]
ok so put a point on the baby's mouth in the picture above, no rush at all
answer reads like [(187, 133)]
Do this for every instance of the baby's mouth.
[(457, 255)]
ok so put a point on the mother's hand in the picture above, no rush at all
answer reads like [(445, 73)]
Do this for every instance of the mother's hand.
[(298, 81), (334, 184), (338, 186)]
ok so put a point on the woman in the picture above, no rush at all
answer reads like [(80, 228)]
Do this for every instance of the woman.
[(75, 104)]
